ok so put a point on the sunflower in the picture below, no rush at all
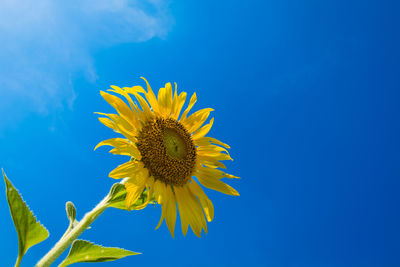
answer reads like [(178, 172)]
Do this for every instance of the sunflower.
[(166, 152)]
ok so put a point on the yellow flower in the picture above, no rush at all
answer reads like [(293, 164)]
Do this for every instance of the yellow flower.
[(167, 152)]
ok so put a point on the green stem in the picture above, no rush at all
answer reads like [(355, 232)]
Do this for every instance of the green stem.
[(73, 234), (70, 227), (18, 262)]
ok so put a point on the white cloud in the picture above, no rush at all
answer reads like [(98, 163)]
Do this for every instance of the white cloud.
[(43, 43)]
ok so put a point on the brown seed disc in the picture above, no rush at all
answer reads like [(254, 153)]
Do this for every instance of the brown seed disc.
[(167, 150)]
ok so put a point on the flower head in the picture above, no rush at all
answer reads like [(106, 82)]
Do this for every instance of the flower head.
[(167, 151)]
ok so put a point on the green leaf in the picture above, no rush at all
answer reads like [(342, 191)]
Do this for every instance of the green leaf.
[(118, 195), (85, 251), (30, 232)]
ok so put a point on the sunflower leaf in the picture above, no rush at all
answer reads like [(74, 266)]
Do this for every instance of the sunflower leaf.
[(118, 195), (30, 232), (85, 251)]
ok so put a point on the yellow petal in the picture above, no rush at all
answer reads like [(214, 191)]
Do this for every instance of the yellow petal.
[(196, 120), (190, 211), (212, 148), (174, 99), (168, 99), (134, 188), (211, 164), (215, 184), (214, 173), (177, 105), (150, 96), (204, 200), (109, 123), (122, 147), (160, 194), (198, 221), (149, 195), (209, 172), (159, 189), (183, 211), (203, 130), (125, 92), (212, 151), (193, 100), (122, 126), (209, 140), (145, 107), (168, 208), (119, 106), (128, 169), (217, 157), (122, 92), (213, 154), (165, 100), (170, 215), (134, 89), (131, 151)]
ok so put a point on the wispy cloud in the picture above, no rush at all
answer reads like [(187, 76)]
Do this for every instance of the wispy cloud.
[(44, 43)]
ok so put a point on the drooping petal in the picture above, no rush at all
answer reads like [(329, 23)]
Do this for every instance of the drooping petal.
[(183, 210), (204, 200), (168, 207), (160, 193), (170, 214), (198, 221), (217, 185), (190, 211)]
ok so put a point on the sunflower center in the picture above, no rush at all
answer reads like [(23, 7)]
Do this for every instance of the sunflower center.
[(174, 144), (167, 151)]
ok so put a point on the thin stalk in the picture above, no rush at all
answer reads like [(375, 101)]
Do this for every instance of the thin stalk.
[(18, 262), (73, 234)]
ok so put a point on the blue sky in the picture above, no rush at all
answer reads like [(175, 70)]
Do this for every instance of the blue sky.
[(306, 93)]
